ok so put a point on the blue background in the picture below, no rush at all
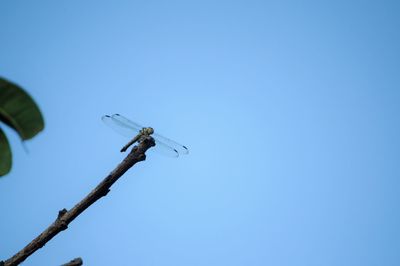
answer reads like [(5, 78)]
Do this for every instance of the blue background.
[(290, 110)]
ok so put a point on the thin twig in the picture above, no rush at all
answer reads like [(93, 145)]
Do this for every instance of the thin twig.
[(74, 262), (65, 217)]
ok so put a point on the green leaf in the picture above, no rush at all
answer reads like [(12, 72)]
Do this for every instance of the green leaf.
[(5, 154), (19, 111)]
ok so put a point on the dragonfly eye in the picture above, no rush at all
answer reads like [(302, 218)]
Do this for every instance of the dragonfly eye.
[(149, 130)]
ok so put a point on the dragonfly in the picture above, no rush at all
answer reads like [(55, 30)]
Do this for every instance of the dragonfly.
[(128, 128)]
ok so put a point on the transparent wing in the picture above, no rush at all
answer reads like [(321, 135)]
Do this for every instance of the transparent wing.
[(164, 149), (126, 122), (119, 127), (181, 149)]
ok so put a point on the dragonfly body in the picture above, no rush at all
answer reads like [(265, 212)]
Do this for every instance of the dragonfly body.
[(147, 131), (131, 129)]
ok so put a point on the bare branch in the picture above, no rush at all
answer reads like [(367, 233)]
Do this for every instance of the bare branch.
[(65, 217), (74, 262)]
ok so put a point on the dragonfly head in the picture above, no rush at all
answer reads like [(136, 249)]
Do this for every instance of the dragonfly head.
[(148, 131)]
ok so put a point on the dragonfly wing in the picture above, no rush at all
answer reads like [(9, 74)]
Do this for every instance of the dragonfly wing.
[(181, 149), (166, 150), (120, 127), (126, 122)]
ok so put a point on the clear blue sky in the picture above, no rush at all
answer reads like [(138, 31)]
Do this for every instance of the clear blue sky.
[(290, 110)]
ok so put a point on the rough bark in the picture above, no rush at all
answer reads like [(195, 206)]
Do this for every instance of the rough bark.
[(65, 216)]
